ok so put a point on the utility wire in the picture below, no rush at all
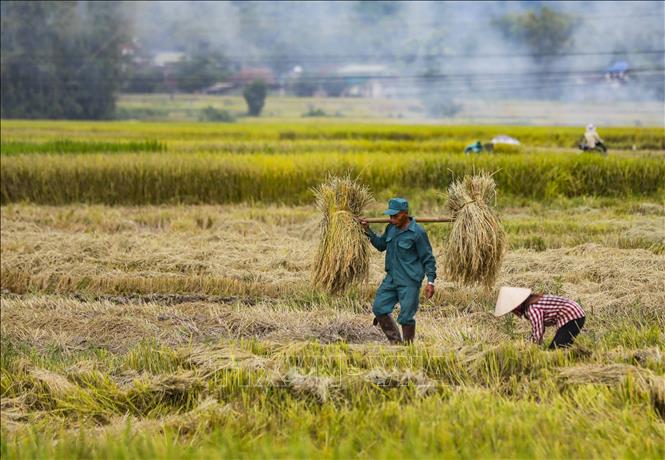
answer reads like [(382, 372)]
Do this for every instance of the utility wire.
[(444, 78), (394, 57), (458, 89)]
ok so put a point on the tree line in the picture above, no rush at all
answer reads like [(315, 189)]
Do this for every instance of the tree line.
[(61, 59), (70, 59)]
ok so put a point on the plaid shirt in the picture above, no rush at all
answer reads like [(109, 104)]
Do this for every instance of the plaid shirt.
[(551, 310)]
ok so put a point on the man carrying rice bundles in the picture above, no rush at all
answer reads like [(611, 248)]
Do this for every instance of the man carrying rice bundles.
[(408, 259)]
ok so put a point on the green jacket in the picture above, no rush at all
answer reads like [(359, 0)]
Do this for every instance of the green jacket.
[(409, 254), (476, 147)]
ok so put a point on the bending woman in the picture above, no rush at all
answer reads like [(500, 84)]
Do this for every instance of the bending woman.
[(543, 310)]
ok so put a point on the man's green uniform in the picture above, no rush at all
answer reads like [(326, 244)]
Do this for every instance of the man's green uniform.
[(408, 259)]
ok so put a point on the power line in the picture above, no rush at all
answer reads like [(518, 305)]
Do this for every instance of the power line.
[(488, 86), (421, 76), (444, 76), (458, 56), (404, 19), (410, 56)]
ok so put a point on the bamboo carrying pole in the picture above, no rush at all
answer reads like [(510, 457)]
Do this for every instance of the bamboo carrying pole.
[(385, 220)]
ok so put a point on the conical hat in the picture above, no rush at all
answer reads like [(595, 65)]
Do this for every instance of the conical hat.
[(509, 299)]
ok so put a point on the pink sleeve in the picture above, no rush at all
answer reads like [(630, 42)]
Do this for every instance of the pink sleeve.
[(537, 324)]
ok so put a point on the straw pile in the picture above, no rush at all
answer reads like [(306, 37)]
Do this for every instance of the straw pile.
[(396, 378), (208, 360), (342, 257), (476, 243), (306, 384)]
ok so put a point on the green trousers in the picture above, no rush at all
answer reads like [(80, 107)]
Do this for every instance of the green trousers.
[(389, 294)]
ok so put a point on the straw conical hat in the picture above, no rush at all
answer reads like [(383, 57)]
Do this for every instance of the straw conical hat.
[(509, 299)]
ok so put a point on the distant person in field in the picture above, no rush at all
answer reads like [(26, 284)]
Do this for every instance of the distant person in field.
[(408, 259), (543, 310), (592, 140), (476, 147)]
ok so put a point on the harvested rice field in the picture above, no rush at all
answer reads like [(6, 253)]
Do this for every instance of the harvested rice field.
[(158, 302)]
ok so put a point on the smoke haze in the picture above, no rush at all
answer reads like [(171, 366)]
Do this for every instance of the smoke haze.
[(439, 52)]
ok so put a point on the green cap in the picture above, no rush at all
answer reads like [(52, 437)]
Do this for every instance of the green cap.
[(396, 205)]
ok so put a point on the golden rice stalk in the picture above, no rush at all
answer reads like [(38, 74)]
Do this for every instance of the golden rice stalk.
[(306, 384), (57, 385), (209, 360), (643, 379), (342, 257), (605, 374), (475, 247)]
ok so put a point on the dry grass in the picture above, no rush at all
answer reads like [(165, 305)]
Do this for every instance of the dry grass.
[(204, 416), (70, 324), (607, 374), (475, 247), (56, 385), (253, 254), (306, 384), (211, 359), (614, 286), (395, 378)]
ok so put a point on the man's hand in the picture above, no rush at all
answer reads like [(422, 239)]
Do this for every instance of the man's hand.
[(362, 221), (429, 291)]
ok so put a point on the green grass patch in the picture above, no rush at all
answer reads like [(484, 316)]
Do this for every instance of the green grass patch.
[(330, 129), (67, 146)]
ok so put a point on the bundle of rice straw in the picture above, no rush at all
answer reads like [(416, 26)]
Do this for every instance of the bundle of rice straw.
[(475, 247), (342, 258), (642, 378)]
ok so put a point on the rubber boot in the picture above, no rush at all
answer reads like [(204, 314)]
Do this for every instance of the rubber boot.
[(409, 332), (389, 327)]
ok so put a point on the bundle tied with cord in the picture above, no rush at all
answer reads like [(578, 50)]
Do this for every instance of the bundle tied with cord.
[(342, 257), (475, 246)]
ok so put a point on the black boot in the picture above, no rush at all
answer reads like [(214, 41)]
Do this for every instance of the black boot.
[(389, 327), (409, 331)]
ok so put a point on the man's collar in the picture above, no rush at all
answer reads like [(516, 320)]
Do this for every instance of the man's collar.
[(412, 224)]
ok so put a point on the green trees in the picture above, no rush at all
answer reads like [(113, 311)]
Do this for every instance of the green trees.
[(545, 33), (61, 59), (200, 70), (255, 96)]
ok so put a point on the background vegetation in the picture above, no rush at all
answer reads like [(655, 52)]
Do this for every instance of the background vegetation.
[(61, 59), (208, 163)]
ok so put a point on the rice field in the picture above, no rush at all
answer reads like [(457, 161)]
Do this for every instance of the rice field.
[(188, 107), (157, 298)]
